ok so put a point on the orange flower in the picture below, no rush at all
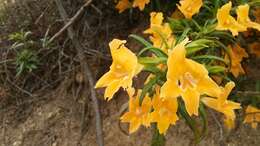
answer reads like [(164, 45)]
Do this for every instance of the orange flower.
[(217, 79), (190, 7), (188, 79), (164, 111), (254, 48), (122, 5), (123, 69), (237, 54), (177, 14), (252, 116), (140, 4), (138, 115), (227, 22), (221, 104), (257, 15), (243, 17)]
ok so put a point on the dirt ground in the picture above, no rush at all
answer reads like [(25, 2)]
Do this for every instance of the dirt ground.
[(56, 121)]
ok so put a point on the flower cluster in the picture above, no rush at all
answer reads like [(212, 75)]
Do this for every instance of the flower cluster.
[(183, 59)]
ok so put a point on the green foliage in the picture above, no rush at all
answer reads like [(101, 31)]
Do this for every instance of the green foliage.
[(26, 60), (158, 139), (21, 39)]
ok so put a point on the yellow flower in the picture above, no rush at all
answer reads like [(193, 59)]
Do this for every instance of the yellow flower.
[(221, 104), (243, 17), (237, 54), (227, 22), (252, 116), (138, 115), (254, 48), (229, 123), (164, 111), (188, 79), (122, 70), (122, 5), (161, 33), (140, 3), (156, 20), (163, 38), (190, 7)]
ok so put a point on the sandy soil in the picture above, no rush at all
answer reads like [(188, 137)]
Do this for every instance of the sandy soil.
[(56, 121)]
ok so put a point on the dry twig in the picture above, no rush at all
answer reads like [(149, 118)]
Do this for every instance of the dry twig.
[(89, 77), (219, 125), (71, 21), (248, 93)]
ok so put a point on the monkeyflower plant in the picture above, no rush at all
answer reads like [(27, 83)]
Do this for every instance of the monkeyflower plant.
[(188, 63)]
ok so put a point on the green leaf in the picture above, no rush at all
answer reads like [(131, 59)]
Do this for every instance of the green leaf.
[(152, 69), (141, 40), (147, 87), (198, 45), (254, 3), (189, 120), (176, 24), (210, 57), (183, 35), (223, 35), (203, 115), (192, 50), (152, 60), (200, 42), (158, 139), (227, 50), (158, 52), (215, 69)]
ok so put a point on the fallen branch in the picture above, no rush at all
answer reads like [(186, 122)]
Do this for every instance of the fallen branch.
[(85, 66), (248, 93), (71, 21)]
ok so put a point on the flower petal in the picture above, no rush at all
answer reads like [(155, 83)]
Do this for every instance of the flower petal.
[(140, 3), (243, 17), (227, 90), (122, 5), (134, 125), (170, 89), (111, 89), (176, 60), (207, 86), (191, 99), (163, 124), (105, 80), (146, 104), (127, 117), (190, 7), (210, 102)]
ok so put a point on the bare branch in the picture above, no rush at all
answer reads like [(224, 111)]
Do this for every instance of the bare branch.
[(85, 66), (71, 21)]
